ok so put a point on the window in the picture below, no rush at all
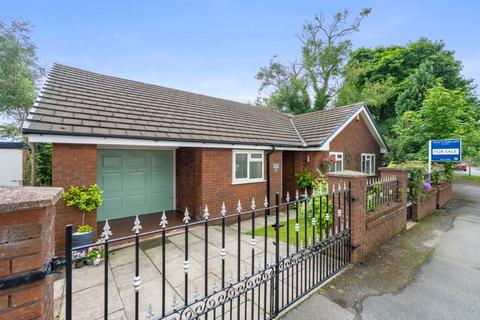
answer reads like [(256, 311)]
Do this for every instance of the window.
[(247, 166), (338, 165), (368, 163)]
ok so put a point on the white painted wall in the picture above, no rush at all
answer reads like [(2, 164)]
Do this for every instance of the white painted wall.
[(10, 167)]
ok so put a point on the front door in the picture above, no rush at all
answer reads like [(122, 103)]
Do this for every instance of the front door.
[(134, 182)]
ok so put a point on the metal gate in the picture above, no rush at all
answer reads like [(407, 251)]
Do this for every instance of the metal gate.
[(293, 247), (409, 198)]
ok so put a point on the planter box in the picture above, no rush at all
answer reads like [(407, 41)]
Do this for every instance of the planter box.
[(425, 206), (82, 238), (444, 193)]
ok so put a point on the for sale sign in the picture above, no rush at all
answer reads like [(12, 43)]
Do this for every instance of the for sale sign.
[(446, 150)]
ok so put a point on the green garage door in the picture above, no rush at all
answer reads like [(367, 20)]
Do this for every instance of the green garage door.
[(134, 182)]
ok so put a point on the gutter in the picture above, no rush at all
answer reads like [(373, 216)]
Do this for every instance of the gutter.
[(269, 153)]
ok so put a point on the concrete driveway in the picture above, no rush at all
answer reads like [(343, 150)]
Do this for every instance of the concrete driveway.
[(448, 285), (429, 272)]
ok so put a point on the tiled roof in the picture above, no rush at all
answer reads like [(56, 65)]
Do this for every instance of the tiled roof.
[(316, 127), (82, 103)]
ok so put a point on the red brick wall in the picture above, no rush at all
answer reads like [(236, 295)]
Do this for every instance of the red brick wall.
[(370, 230), (425, 206), (383, 224), (72, 164), (354, 140), (187, 179), (211, 184), (26, 244), (444, 193)]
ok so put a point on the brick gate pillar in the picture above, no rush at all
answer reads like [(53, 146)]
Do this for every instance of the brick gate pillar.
[(27, 243), (358, 182)]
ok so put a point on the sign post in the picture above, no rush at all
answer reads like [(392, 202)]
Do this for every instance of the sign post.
[(444, 151)]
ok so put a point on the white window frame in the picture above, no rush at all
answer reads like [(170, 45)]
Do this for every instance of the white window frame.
[(249, 159), (336, 154), (372, 168)]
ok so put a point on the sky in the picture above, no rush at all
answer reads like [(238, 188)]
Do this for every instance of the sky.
[(215, 47)]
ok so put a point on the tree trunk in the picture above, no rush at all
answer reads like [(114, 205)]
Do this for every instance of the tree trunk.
[(33, 164)]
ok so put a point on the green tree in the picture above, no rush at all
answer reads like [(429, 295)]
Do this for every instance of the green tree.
[(414, 88), (444, 114), (312, 82), (400, 70), (20, 73)]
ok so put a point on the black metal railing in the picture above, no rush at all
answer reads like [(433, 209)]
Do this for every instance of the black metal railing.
[(309, 238), (381, 191)]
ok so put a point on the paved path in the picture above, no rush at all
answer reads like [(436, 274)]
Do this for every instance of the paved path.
[(447, 286), (88, 281)]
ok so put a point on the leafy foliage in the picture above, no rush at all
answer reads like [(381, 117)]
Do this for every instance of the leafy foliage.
[(43, 159), (85, 198), (319, 205), (306, 180), (416, 93), (44, 164), (372, 194), (85, 228), (417, 170), (312, 82), (94, 255), (444, 114), (20, 74)]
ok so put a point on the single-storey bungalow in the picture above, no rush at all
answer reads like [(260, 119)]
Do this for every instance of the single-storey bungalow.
[(151, 148)]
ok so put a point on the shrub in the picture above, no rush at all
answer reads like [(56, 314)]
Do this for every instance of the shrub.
[(306, 180), (321, 188), (417, 170), (85, 228), (85, 198)]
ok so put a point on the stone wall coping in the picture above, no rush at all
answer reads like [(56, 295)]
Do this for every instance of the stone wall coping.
[(393, 169), (24, 198), (347, 174)]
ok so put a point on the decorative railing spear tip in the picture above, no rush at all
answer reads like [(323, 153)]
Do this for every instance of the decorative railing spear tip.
[(287, 198), (163, 221), (223, 212), (206, 214), (253, 207), (265, 203), (239, 206), (136, 225), (186, 217), (106, 231)]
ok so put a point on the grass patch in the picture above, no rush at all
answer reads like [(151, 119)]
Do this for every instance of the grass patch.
[(470, 178), (292, 234)]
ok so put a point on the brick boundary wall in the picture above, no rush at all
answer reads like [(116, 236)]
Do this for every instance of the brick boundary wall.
[(382, 225), (72, 164), (27, 217), (425, 205), (370, 230), (444, 193)]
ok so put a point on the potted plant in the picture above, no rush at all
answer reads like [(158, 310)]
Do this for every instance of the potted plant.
[(86, 199), (94, 255)]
